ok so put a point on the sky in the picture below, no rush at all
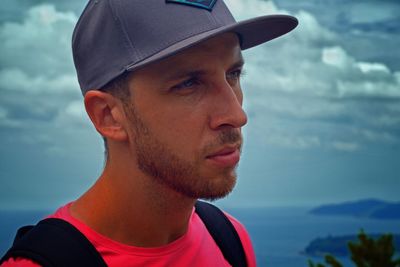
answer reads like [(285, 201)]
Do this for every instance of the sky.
[(323, 104)]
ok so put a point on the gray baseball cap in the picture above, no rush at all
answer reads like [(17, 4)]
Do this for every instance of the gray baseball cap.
[(115, 36)]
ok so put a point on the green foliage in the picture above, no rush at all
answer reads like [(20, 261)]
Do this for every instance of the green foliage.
[(329, 259), (332, 261), (311, 264), (373, 253), (367, 252)]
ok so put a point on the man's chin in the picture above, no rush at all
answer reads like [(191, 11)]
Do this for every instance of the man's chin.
[(219, 188), (212, 198)]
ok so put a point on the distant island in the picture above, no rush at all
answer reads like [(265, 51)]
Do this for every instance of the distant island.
[(337, 246), (366, 208)]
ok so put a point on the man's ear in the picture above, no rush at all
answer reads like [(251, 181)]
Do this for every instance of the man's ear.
[(106, 114)]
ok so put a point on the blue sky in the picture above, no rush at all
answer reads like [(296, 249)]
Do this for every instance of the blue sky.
[(323, 105)]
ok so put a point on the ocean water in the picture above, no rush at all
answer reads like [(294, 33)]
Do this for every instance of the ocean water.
[(279, 235)]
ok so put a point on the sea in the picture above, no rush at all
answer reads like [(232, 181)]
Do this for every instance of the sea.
[(279, 234)]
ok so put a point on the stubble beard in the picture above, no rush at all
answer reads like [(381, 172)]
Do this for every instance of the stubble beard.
[(183, 176)]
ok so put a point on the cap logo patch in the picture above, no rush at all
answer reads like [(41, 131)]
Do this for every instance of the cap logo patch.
[(206, 4)]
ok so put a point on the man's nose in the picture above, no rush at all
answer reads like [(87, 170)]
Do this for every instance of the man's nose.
[(228, 110)]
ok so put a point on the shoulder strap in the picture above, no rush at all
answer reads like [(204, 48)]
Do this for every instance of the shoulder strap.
[(223, 232), (69, 248)]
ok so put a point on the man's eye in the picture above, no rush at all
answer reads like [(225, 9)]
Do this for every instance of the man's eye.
[(187, 84), (235, 75)]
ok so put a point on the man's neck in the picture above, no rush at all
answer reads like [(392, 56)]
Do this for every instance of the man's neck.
[(134, 210)]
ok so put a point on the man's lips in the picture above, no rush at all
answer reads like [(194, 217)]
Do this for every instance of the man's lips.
[(226, 157)]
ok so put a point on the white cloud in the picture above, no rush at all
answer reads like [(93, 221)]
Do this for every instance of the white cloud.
[(368, 88), (336, 56), (18, 80), (346, 146), (369, 79), (37, 77), (307, 76), (366, 67), (376, 136), (74, 117), (40, 44), (296, 142), (76, 109), (384, 10), (310, 30), (244, 9), (310, 60)]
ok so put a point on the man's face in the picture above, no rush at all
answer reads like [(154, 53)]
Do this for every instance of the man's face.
[(185, 118)]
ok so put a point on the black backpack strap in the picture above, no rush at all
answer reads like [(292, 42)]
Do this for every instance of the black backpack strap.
[(54, 243), (223, 232)]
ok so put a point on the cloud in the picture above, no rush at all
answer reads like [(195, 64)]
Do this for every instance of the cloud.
[(40, 44), (74, 115), (37, 77), (243, 9), (293, 142), (369, 79), (367, 67), (361, 12), (36, 55), (307, 76), (377, 136), (345, 146), (17, 80), (336, 56), (75, 109)]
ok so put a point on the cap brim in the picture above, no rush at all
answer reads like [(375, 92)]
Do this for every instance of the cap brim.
[(263, 29), (251, 32)]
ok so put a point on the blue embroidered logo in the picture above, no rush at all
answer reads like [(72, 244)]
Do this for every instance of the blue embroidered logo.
[(206, 4)]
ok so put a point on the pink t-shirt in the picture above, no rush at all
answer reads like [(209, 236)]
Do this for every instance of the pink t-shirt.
[(195, 248)]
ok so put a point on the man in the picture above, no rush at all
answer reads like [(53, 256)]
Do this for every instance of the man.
[(161, 84)]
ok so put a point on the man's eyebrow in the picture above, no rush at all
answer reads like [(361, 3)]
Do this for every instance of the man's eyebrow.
[(238, 64), (186, 73)]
